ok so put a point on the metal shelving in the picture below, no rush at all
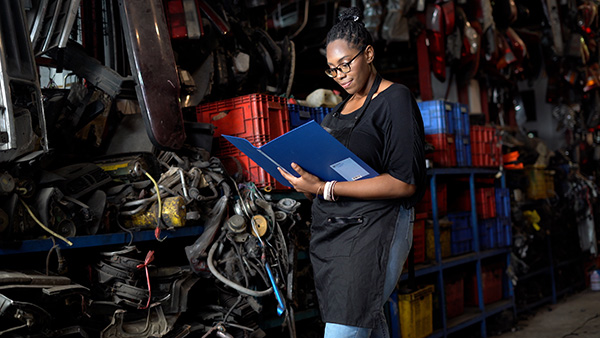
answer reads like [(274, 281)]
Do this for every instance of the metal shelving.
[(473, 315), (39, 245)]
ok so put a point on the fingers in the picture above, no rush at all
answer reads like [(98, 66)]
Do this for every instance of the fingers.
[(297, 168), (284, 173)]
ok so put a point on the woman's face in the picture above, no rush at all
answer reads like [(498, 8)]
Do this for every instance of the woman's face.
[(340, 52)]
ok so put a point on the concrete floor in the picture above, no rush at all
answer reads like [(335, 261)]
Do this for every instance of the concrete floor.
[(577, 316)]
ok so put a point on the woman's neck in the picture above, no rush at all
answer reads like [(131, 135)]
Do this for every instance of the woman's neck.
[(363, 92)]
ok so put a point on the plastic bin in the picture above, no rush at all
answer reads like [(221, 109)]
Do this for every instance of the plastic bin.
[(504, 231), (463, 151), (461, 119), (485, 201), (437, 117), (444, 154), (462, 132), (442, 205), (320, 113), (541, 183), (486, 148), (419, 237), (255, 117), (454, 290), (416, 313), (445, 239), (491, 283), (240, 166), (462, 233), (299, 115), (503, 202), (488, 233)]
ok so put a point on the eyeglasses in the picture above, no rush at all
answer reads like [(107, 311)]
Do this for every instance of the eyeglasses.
[(344, 67)]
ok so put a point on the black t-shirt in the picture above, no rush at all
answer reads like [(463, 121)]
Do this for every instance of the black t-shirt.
[(389, 137)]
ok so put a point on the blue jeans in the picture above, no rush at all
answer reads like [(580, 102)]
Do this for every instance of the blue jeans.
[(401, 243)]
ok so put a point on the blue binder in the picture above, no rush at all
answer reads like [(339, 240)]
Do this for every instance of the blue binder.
[(312, 148)]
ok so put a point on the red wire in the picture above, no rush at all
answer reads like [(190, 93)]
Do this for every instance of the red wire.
[(149, 258)]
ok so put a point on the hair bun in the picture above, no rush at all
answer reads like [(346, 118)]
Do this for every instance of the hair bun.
[(350, 14)]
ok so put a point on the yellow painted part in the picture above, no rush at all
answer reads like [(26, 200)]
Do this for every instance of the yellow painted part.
[(113, 167), (416, 313), (260, 223), (173, 214)]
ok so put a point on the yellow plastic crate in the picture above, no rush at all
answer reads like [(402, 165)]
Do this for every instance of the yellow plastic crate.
[(445, 234), (416, 313), (541, 183)]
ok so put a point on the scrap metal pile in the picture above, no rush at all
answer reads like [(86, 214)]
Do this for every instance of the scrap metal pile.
[(110, 155), (244, 250)]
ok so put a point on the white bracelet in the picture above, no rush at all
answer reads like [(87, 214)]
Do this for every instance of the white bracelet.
[(328, 191), (333, 198)]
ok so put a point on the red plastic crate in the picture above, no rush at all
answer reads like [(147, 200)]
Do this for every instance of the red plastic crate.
[(485, 202), (491, 279), (419, 237), (258, 118), (445, 150), (455, 295), (236, 163), (442, 205), (486, 149)]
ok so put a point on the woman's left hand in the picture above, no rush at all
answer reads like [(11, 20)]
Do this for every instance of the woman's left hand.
[(306, 183)]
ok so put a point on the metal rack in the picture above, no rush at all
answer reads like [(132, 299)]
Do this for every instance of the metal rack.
[(40, 245), (472, 316)]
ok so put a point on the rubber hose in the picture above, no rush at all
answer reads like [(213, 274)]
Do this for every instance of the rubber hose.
[(229, 283)]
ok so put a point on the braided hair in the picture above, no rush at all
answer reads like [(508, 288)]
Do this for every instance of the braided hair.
[(351, 29)]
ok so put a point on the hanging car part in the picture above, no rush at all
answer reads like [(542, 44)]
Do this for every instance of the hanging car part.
[(436, 35), (212, 15), (153, 65), (52, 24), (21, 108), (104, 78)]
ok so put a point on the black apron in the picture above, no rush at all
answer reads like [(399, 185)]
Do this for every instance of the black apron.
[(350, 241)]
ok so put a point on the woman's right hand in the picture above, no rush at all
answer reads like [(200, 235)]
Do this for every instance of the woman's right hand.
[(307, 183)]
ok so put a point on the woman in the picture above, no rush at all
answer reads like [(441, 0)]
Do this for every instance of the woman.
[(361, 230)]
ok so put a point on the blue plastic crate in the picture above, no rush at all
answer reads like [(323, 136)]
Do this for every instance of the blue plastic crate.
[(320, 113), (463, 151), (461, 239), (502, 202), (504, 230), (299, 115), (488, 233), (437, 117), (460, 115)]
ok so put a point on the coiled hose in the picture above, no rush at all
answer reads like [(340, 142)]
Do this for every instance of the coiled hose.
[(229, 283)]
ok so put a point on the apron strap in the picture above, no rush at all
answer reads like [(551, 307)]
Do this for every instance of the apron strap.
[(362, 109), (372, 91), (352, 123)]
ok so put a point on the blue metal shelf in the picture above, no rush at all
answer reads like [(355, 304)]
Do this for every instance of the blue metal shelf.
[(40, 245), (478, 314), (461, 171), (426, 269)]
